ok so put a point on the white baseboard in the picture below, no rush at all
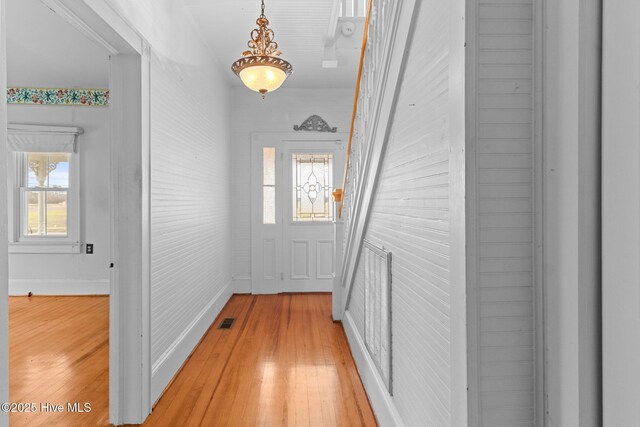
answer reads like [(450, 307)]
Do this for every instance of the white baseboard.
[(59, 286), (168, 365), (242, 285), (382, 404)]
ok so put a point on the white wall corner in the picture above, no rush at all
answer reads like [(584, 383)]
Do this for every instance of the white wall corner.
[(242, 285), (4, 265), (129, 370), (170, 362), (458, 232)]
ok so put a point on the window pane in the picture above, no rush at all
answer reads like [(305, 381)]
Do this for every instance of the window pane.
[(56, 213), (48, 170), (59, 175), (268, 166), (47, 213), (269, 205), (312, 185), (36, 223)]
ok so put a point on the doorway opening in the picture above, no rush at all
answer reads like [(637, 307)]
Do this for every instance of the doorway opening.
[(78, 137), (58, 199), (293, 243)]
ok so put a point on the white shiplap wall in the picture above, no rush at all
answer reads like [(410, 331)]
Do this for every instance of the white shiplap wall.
[(190, 215), (501, 101), (278, 112), (410, 218), (190, 182)]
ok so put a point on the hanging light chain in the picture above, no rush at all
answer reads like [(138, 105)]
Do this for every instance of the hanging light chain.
[(263, 30), (262, 41)]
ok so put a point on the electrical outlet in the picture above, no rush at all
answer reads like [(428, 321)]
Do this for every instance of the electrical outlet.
[(88, 248)]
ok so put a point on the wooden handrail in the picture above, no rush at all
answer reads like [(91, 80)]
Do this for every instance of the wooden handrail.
[(338, 194)]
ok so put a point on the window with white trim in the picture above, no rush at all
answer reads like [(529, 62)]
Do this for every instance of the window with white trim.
[(44, 203)]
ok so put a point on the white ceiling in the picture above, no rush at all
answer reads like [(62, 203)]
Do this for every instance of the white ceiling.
[(300, 27), (44, 50)]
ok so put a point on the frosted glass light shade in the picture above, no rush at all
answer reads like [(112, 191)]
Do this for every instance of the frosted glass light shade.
[(262, 73), (262, 78)]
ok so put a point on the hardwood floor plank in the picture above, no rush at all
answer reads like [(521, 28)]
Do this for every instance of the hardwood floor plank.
[(189, 394), (284, 363), (288, 364), (59, 353)]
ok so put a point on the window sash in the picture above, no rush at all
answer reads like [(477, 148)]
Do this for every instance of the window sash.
[(24, 215), (52, 189), (18, 233)]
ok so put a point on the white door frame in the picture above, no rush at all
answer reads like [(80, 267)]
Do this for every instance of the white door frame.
[(263, 139), (620, 212), (129, 335), (568, 276), (4, 256)]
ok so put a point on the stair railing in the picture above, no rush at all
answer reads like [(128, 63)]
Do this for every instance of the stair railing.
[(388, 25), (339, 193)]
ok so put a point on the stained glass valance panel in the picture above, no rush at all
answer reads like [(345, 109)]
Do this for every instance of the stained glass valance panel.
[(312, 185)]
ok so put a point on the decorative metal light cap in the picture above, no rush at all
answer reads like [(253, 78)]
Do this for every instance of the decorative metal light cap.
[(260, 68)]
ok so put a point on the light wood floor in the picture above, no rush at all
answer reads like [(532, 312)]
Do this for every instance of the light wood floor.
[(59, 353), (284, 363)]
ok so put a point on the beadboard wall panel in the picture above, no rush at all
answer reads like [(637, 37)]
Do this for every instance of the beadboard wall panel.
[(190, 218), (504, 210), (410, 218)]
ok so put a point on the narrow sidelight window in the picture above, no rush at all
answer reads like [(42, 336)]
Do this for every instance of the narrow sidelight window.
[(269, 185)]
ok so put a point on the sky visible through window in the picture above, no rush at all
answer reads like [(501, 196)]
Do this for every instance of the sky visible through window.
[(58, 177)]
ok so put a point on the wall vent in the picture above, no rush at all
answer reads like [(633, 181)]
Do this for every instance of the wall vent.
[(227, 323), (377, 309)]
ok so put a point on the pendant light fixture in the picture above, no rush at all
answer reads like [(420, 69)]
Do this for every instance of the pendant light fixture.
[(260, 68)]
